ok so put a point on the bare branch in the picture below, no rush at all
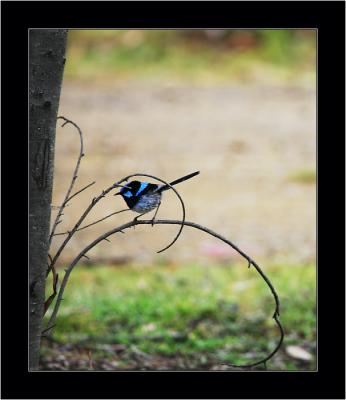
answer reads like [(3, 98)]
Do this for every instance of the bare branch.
[(95, 200), (48, 302), (81, 219), (79, 191), (94, 223), (133, 223), (74, 176), (50, 257), (175, 222), (46, 330)]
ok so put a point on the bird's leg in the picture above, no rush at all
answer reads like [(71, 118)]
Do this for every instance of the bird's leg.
[(157, 209), (136, 219)]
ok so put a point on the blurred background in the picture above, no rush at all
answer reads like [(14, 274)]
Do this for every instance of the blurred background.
[(238, 105)]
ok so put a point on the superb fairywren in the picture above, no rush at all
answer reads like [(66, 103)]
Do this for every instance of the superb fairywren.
[(143, 197)]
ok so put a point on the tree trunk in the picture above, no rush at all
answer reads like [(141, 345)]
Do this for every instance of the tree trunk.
[(46, 64)]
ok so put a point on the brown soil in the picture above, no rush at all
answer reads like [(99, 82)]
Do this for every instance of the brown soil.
[(247, 141)]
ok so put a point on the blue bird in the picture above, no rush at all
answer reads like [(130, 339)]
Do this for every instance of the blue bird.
[(143, 197)]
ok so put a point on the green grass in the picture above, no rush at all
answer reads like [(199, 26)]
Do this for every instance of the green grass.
[(186, 55), (304, 176), (147, 306)]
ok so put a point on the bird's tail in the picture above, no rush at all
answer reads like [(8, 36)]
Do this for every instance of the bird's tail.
[(184, 178)]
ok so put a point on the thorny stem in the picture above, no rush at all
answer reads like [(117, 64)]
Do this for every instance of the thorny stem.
[(74, 177), (128, 225), (95, 200), (133, 223), (79, 191), (81, 219), (93, 223)]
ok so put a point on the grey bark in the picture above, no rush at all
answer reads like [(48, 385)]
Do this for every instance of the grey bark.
[(46, 64)]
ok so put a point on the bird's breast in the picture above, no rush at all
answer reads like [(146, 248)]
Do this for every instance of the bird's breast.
[(147, 202)]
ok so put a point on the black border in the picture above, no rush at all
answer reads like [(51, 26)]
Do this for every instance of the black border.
[(329, 19)]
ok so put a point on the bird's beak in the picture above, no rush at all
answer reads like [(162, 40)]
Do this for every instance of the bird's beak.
[(115, 194)]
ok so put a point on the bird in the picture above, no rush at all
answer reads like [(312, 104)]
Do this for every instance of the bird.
[(143, 197)]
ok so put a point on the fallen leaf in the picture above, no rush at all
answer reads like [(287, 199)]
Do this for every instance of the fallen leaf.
[(149, 327), (298, 352)]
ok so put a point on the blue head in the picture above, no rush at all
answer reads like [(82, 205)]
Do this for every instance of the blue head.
[(134, 190)]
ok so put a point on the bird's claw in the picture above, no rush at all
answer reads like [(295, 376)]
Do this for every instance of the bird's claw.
[(135, 220)]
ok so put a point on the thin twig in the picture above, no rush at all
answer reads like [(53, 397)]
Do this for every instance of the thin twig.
[(48, 302), (95, 200), (55, 285), (174, 222), (79, 191), (46, 330), (74, 176), (93, 223), (50, 257)]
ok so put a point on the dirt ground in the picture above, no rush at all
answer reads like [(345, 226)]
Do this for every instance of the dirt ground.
[(64, 357), (247, 141)]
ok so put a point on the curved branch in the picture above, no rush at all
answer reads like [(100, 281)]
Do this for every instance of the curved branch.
[(74, 177), (179, 197), (174, 222), (75, 228), (96, 200)]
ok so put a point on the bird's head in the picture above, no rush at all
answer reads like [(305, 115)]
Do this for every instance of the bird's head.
[(123, 189), (127, 191)]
